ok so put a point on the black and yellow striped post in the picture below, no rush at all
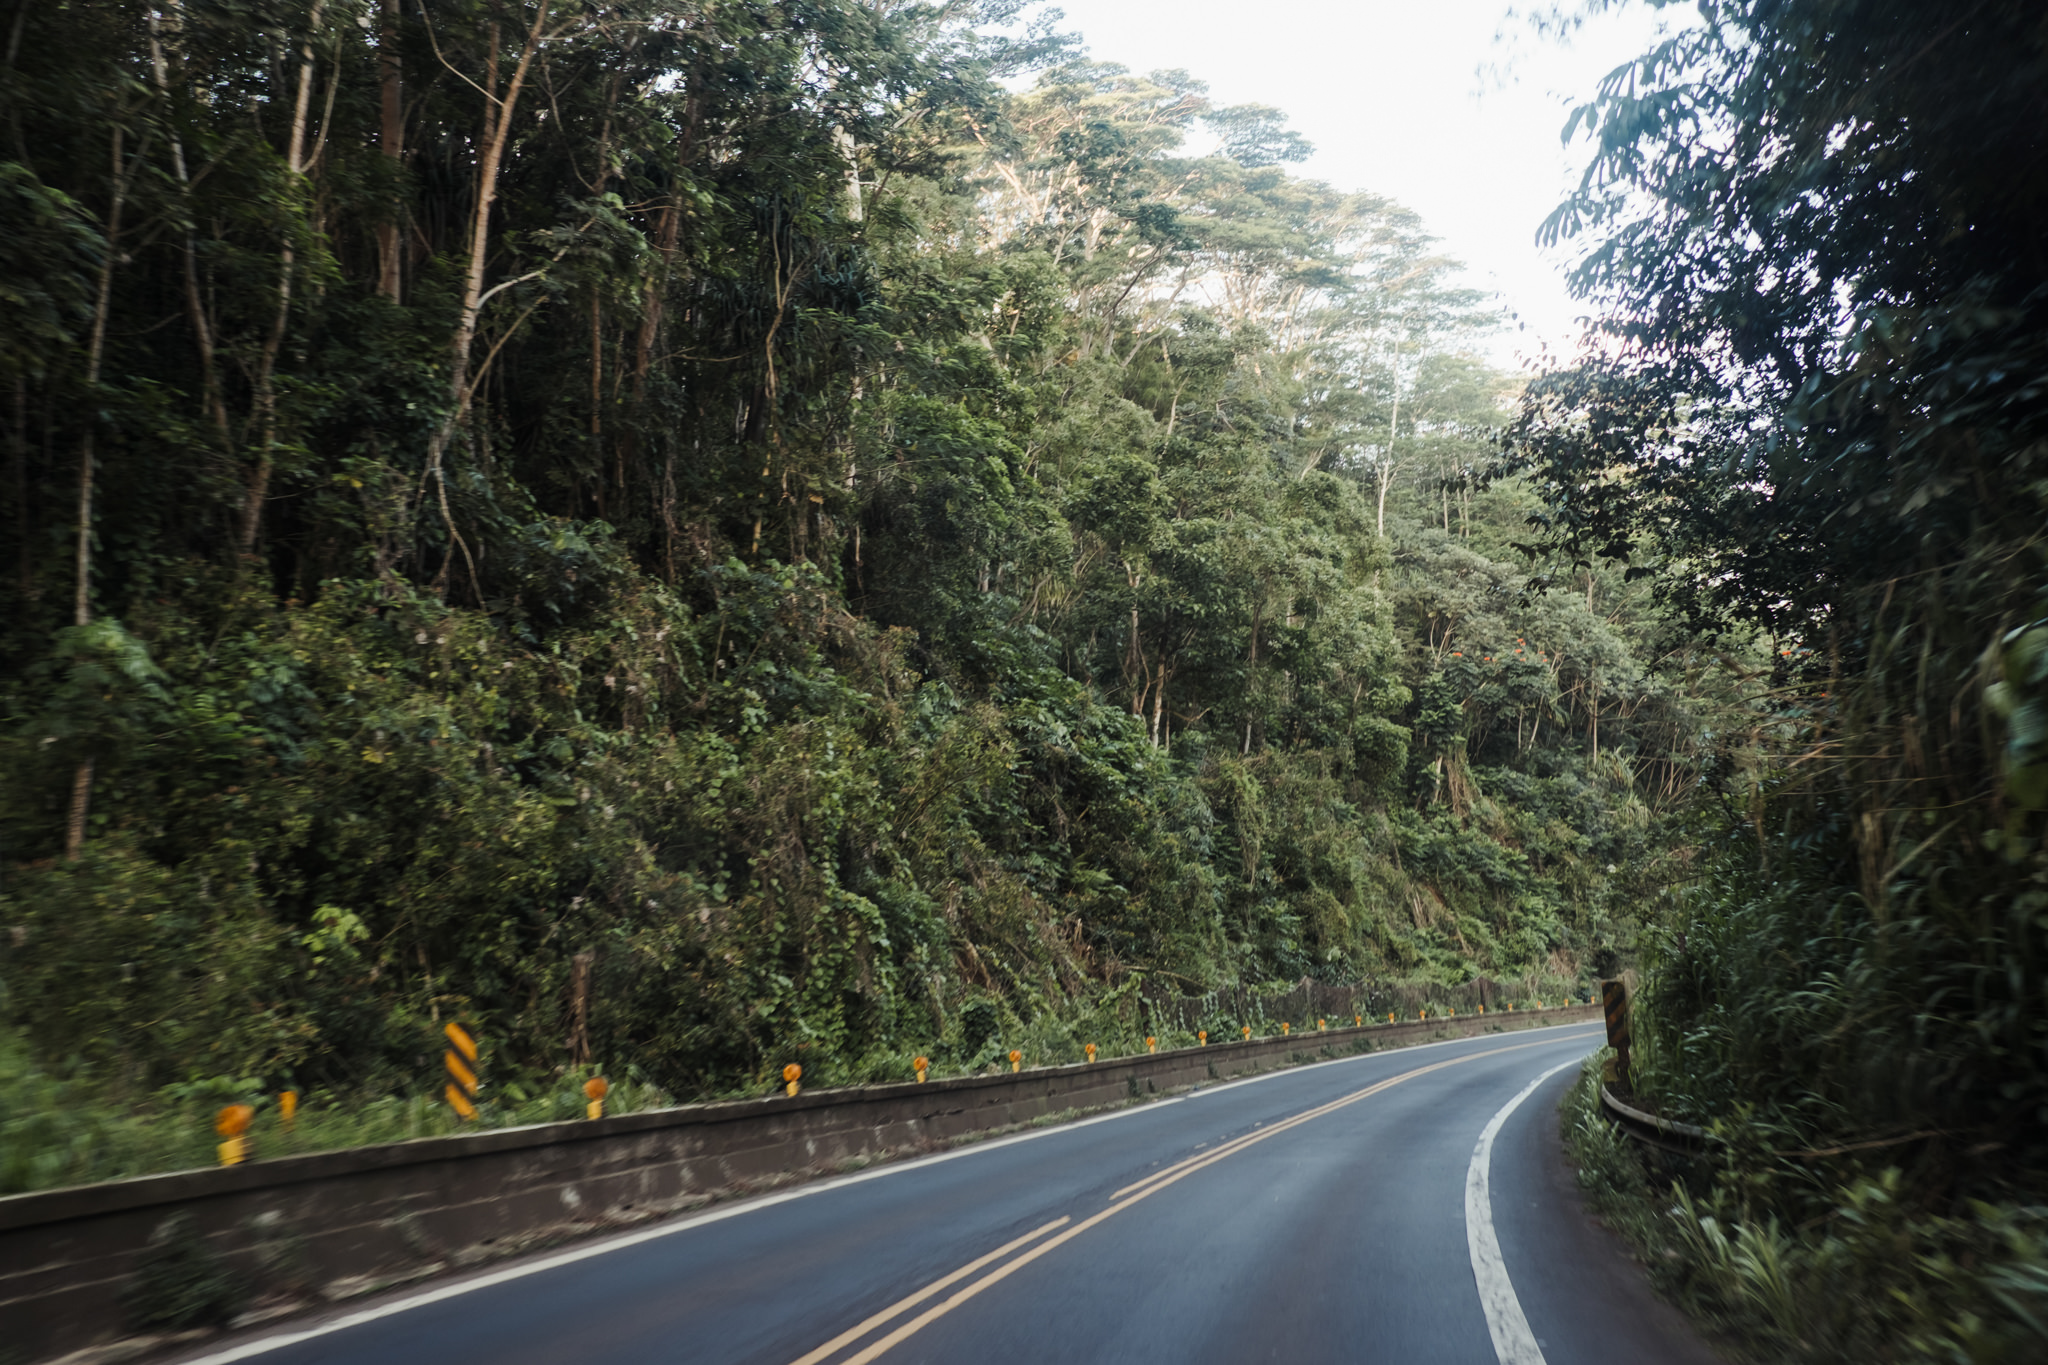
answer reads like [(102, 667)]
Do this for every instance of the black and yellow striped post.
[(461, 1063), (1614, 996)]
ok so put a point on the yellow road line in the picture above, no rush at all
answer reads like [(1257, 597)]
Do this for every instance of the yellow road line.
[(1146, 1188), (853, 1334), (1249, 1138), (1259, 1134)]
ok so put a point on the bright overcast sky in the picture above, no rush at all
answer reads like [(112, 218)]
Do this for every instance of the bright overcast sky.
[(1450, 107)]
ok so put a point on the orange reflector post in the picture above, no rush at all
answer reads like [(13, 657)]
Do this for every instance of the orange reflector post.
[(231, 1123), (1151, 1044), (594, 1091), (1016, 1059), (791, 1074), (922, 1064)]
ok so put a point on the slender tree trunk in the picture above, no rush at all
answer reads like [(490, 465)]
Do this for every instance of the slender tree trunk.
[(195, 304), (17, 450), (1158, 705), (579, 1009), (1593, 704), (391, 141), (667, 231), (498, 114), (266, 372), (95, 353), (597, 397), (1386, 479)]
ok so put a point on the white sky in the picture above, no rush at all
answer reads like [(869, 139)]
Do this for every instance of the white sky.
[(1452, 107)]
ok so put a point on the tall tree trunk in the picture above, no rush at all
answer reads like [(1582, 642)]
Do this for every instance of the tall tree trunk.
[(498, 113), (597, 401), (1593, 705), (95, 353), (17, 450), (1158, 704), (266, 371), (1387, 470), (391, 141), (195, 303)]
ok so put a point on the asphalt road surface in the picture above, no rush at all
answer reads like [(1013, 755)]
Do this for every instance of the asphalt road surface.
[(1400, 1207)]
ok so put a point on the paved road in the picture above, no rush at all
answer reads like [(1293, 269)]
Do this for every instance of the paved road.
[(1320, 1214)]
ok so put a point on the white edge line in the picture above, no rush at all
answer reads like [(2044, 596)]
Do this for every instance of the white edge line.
[(1513, 1342), (670, 1226)]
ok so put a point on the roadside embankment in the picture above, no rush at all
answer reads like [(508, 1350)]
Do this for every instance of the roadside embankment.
[(319, 1228)]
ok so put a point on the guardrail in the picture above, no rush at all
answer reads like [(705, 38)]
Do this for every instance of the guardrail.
[(312, 1229)]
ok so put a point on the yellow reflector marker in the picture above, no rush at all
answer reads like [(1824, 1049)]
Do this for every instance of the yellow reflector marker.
[(461, 1091)]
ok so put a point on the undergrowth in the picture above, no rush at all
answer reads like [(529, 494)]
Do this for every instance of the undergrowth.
[(1876, 1277), (61, 1126)]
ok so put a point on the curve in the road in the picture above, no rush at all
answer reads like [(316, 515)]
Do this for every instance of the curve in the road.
[(1513, 1342), (1121, 1201), (1319, 1213)]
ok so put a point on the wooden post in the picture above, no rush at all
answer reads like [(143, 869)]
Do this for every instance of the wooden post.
[(579, 1009), (1614, 996)]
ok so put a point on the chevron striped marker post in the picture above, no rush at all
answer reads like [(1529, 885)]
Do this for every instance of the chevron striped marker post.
[(460, 1060), (1614, 997)]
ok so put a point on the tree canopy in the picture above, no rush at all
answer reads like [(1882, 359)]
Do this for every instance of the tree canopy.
[(1815, 412), (691, 537)]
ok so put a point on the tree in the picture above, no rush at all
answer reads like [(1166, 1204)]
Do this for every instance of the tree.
[(1816, 414)]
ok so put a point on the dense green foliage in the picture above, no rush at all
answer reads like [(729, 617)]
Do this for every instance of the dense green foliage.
[(1814, 225), (865, 562)]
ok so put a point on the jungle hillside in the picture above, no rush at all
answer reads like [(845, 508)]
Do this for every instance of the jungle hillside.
[(687, 538)]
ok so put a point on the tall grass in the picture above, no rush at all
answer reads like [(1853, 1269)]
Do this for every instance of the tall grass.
[(1875, 1278), (67, 1129), (62, 1126)]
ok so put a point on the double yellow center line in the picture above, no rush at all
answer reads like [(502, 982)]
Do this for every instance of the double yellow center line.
[(1127, 1197)]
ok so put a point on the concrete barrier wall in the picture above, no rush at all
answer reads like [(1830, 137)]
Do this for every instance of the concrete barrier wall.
[(326, 1226)]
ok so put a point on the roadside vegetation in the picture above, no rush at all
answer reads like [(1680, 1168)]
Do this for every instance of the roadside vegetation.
[(694, 539), (1819, 416)]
